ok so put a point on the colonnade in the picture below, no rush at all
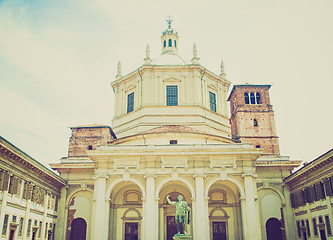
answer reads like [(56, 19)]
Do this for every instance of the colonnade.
[(150, 228)]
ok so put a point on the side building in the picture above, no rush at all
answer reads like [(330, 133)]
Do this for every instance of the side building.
[(311, 190), (29, 194)]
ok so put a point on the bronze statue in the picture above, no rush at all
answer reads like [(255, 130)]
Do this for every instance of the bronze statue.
[(181, 209)]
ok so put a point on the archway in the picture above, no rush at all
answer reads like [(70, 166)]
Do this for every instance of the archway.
[(273, 229), (126, 210), (224, 210), (166, 212), (78, 229)]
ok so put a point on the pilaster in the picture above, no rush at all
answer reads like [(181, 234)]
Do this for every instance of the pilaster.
[(253, 230)]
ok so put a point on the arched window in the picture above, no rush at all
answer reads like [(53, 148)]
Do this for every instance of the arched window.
[(164, 43), (253, 98), (246, 96), (258, 98), (170, 43), (175, 44), (258, 146), (89, 147), (255, 122)]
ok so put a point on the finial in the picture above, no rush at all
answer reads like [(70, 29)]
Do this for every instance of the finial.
[(195, 50), (147, 59), (195, 59), (222, 74), (119, 71), (169, 21)]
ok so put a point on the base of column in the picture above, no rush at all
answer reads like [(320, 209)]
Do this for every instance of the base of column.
[(182, 237)]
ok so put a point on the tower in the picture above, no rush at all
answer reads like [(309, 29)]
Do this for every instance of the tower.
[(252, 117)]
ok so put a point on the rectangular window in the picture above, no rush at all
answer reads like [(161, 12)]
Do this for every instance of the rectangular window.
[(328, 187), (299, 229), (40, 229), (172, 95), (212, 101), (20, 227), (328, 225), (45, 235), (5, 224), (130, 102), (308, 228), (173, 141), (315, 228), (29, 228)]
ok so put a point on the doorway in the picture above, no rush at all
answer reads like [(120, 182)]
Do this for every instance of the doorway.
[(171, 227), (78, 229), (273, 229), (322, 234), (219, 230), (131, 231)]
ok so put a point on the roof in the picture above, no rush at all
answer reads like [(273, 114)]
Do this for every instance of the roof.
[(172, 128), (96, 125), (311, 165), (170, 59), (17, 152), (248, 85)]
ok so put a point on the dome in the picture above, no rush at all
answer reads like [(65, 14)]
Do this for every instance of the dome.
[(170, 59)]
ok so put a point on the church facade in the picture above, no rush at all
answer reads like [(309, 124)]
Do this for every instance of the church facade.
[(172, 134)]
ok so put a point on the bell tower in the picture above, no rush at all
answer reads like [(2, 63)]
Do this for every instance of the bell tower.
[(252, 117)]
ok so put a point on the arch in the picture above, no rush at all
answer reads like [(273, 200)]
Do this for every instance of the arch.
[(247, 99), (159, 187), (252, 98), (132, 210), (283, 200), (258, 98), (239, 186), (211, 214), (170, 43), (78, 229), (175, 43), (273, 229), (69, 198), (164, 43), (113, 184)]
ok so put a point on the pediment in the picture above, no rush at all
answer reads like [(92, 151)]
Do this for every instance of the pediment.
[(211, 86), (130, 87)]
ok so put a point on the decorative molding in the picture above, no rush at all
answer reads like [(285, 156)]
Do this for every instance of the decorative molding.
[(318, 208), (300, 213)]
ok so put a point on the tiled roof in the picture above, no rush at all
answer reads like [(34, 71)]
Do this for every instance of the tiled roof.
[(172, 128)]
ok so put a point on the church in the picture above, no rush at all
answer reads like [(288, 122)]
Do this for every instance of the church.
[(172, 134)]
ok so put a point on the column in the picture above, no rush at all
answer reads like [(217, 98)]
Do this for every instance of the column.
[(61, 225), (253, 221), (289, 216), (99, 194), (201, 215), (150, 209), (244, 218)]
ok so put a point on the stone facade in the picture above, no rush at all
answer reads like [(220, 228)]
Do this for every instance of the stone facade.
[(311, 189), (29, 194), (172, 137)]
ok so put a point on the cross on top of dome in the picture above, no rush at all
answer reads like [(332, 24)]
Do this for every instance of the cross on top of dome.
[(169, 21)]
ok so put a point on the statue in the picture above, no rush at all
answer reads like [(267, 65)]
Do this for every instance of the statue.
[(181, 209)]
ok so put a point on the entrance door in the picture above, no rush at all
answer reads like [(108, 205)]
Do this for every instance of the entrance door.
[(171, 227), (219, 230), (34, 235), (273, 229), (131, 231), (79, 228), (12, 234)]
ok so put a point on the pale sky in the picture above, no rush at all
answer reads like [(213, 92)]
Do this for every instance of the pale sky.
[(57, 59)]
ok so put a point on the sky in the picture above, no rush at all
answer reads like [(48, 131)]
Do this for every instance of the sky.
[(58, 58)]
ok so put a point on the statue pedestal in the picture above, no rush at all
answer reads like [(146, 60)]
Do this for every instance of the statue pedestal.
[(182, 237)]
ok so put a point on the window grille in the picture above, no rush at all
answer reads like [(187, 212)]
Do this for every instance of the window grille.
[(247, 99), (172, 95), (252, 98), (130, 102), (5, 224), (212, 101), (258, 98)]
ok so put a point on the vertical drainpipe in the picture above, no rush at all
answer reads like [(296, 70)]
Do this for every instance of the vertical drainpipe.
[(140, 89), (202, 91)]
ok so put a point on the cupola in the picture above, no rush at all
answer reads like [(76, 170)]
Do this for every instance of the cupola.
[(169, 40)]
